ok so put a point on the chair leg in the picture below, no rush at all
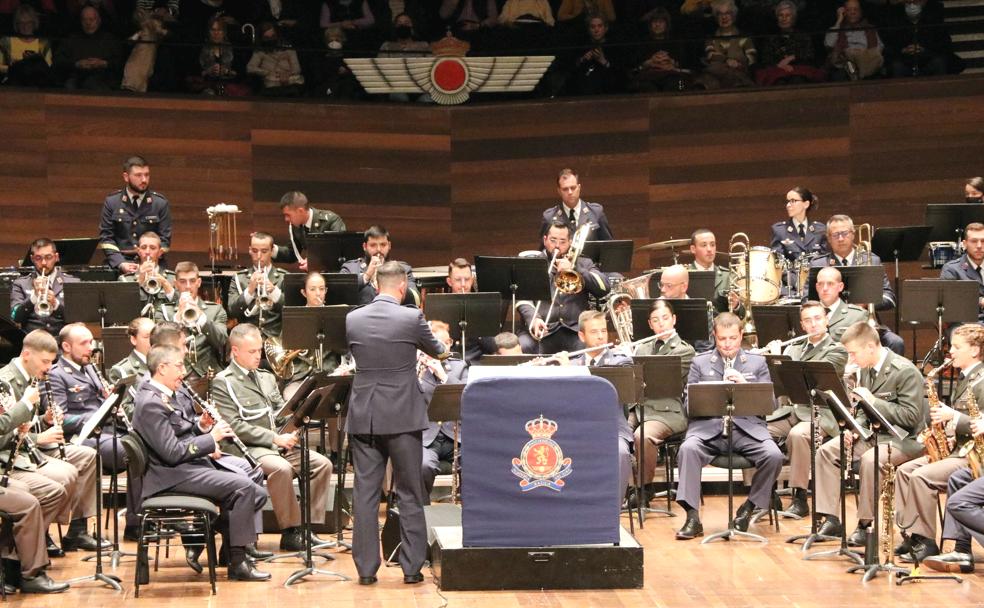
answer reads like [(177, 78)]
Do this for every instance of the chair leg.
[(210, 549), (141, 552)]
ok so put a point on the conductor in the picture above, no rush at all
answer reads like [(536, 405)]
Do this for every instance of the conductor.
[(387, 414)]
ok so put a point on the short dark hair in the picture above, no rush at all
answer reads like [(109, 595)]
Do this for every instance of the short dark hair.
[(150, 234), (390, 274), (185, 266), (810, 304), (860, 332), (374, 232), (40, 341), (294, 199), (134, 161), (42, 242), (589, 315), (161, 354), (975, 226), (805, 194), (567, 172), (263, 236), (167, 332), (697, 233), (660, 303), (726, 320), (458, 263), (560, 225), (134, 327)]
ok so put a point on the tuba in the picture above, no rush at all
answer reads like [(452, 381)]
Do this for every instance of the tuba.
[(570, 281), (619, 309), (281, 360)]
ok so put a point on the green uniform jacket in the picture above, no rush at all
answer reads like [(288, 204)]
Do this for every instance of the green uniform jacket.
[(249, 407), (900, 397), (211, 336), (131, 365), (826, 350), (669, 411), (16, 384)]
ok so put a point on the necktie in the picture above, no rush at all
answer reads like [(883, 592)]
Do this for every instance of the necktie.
[(659, 344), (826, 310), (802, 232), (301, 237), (253, 378), (572, 217), (841, 262), (808, 349)]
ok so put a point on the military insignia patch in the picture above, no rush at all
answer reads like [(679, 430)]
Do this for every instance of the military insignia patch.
[(541, 463)]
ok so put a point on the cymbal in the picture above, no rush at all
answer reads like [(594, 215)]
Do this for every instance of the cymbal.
[(660, 246)]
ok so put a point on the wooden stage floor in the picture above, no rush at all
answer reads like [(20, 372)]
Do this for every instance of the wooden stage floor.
[(721, 574)]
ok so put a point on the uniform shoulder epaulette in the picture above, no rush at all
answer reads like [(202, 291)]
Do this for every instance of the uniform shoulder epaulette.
[(779, 224), (856, 307), (224, 373), (900, 363)]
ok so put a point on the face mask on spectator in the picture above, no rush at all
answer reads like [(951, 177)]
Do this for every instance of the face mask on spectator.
[(335, 45), (913, 10), (974, 199), (402, 32)]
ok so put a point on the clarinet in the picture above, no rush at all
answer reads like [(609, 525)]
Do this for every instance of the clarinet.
[(7, 400), (212, 411), (56, 417)]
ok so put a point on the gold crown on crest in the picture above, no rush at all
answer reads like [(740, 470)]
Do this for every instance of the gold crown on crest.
[(541, 428), (449, 46)]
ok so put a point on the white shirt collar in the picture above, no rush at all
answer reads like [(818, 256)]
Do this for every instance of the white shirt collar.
[(577, 210), (20, 368), (310, 220), (163, 389), (833, 308), (241, 368), (883, 355), (141, 356), (848, 259), (967, 372), (698, 266), (74, 365), (134, 197)]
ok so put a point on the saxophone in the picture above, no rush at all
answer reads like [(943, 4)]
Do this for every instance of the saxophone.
[(886, 536), (934, 436), (973, 450)]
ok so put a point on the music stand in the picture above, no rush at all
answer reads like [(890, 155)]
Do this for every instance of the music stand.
[(326, 252), (938, 301), (862, 284), (610, 256), (877, 422), (463, 312), (776, 322), (71, 252), (343, 288), (316, 328), (727, 400), (661, 379), (505, 360), (899, 244), (836, 400), (109, 303), (515, 278), (693, 320), (445, 406), (948, 220)]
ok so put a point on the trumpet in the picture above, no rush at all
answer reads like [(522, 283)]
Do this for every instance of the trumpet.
[(263, 299), (190, 316), (378, 258), (209, 408), (43, 307), (765, 349), (150, 280)]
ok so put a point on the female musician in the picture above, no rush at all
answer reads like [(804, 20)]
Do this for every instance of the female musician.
[(798, 235), (974, 190)]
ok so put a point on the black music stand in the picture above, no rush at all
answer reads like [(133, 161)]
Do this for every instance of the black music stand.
[(515, 278), (445, 406), (836, 400), (938, 301), (110, 303), (317, 328), (694, 317), (71, 252), (326, 252), (899, 244), (466, 312), (948, 220), (505, 360), (776, 322), (610, 256), (727, 400), (661, 379), (343, 288), (862, 284), (872, 566)]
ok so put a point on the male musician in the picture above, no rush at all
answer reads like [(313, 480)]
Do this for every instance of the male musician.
[(149, 253), (134, 364), (249, 398), (792, 421), (507, 343), (575, 212), (840, 314), (663, 417), (559, 332), (841, 234), (461, 279), (205, 321), (438, 438), (256, 295), (705, 436), (302, 220), (128, 213), (963, 517), (387, 414), (894, 385), (703, 246), (674, 282), (182, 455), (918, 482), (376, 244), (29, 291), (968, 266), (66, 488)]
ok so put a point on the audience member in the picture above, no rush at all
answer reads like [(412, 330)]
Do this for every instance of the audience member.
[(277, 66), (218, 73), (917, 43), (668, 61), (600, 68), (788, 56), (25, 58), (90, 59), (855, 49), (728, 55)]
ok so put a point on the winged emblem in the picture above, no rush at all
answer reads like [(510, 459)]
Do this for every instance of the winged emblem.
[(449, 77)]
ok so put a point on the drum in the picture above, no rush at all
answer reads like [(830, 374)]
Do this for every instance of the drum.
[(766, 276), (941, 252)]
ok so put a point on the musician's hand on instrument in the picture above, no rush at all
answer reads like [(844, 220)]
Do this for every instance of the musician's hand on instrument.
[(205, 421), (977, 427), (24, 427), (32, 395), (864, 393), (563, 265), (537, 328), (848, 439), (733, 375), (941, 414), (774, 347), (254, 281), (128, 267), (53, 434), (733, 300), (286, 441), (49, 416), (220, 431), (302, 265)]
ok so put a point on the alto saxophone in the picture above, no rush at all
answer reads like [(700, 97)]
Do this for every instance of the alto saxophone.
[(973, 450), (934, 436)]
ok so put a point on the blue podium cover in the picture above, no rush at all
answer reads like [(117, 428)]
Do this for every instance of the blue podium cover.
[(540, 467)]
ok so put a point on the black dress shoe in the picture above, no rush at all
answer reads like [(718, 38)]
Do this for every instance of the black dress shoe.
[(368, 580), (743, 516), (831, 528), (9, 589), (41, 584), (255, 553), (192, 553), (858, 538), (904, 547), (53, 549), (798, 507), (292, 541), (82, 541), (692, 528), (951, 562), (920, 550), (413, 579), (246, 571)]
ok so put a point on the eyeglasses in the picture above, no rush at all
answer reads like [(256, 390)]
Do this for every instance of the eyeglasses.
[(843, 234), (43, 258), (179, 364), (790, 201), (663, 285)]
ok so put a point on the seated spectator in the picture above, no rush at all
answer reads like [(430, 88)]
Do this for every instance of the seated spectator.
[(140, 66), (8, 8), (519, 12), (463, 16), (917, 42), (353, 16), (729, 55), (113, 14), (90, 59), (277, 66), (855, 49), (668, 60), (579, 9), (25, 59), (336, 79), (404, 41), (788, 57), (600, 69), (974, 190), (218, 74)]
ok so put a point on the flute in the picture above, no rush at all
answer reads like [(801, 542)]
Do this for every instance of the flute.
[(213, 411), (765, 349)]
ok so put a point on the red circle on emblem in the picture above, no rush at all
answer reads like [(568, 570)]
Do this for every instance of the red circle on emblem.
[(541, 458), (449, 75)]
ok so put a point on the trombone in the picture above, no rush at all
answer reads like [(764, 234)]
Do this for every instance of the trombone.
[(862, 257), (740, 272), (567, 282)]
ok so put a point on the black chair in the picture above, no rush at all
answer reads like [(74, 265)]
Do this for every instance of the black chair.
[(167, 516)]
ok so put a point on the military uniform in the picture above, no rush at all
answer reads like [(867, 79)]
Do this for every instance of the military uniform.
[(787, 242), (245, 308), (249, 402), (664, 417), (792, 421), (919, 482), (587, 212), (962, 269), (562, 327), (722, 285), (154, 303), (898, 390), (123, 221), (321, 221), (211, 334), (842, 316), (367, 292), (22, 308), (438, 438), (66, 489), (888, 294)]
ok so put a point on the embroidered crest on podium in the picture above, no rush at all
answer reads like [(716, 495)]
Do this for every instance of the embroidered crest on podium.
[(541, 463)]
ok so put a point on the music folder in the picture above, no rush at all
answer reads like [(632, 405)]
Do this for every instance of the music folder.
[(108, 404)]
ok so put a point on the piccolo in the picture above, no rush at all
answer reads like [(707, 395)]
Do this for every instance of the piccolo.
[(212, 411)]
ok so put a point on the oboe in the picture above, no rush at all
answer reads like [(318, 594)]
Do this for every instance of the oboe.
[(57, 416), (212, 411)]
